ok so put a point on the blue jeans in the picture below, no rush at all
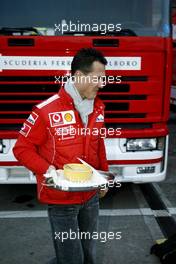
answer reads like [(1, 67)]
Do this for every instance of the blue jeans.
[(72, 227)]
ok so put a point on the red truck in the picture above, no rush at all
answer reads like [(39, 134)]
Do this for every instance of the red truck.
[(173, 90), (37, 43)]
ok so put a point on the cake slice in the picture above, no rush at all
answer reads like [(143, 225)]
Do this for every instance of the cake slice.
[(77, 172)]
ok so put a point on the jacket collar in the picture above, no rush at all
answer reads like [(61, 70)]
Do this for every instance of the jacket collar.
[(69, 101)]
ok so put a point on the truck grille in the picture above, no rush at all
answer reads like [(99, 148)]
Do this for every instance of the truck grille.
[(134, 100), (18, 94), (131, 101)]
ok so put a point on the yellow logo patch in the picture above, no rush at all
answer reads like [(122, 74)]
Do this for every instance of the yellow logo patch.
[(68, 117)]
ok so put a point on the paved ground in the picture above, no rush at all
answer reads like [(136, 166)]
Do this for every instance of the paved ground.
[(27, 239)]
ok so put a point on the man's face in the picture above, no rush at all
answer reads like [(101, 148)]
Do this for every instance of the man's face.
[(88, 85)]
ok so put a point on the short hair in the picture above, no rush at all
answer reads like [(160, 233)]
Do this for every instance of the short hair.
[(84, 58)]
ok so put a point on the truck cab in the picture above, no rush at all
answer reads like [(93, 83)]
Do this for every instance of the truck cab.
[(36, 49)]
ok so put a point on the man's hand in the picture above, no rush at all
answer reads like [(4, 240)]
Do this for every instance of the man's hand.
[(50, 169), (51, 175), (102, 193)]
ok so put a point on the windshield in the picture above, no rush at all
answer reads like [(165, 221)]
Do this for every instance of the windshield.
[(98, 17)]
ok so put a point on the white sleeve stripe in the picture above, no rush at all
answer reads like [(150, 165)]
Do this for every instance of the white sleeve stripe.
[(49, 100)]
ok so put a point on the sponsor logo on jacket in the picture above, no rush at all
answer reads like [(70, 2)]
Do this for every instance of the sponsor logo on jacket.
[(100, 118), (25, 130), (32, 118), (62, 118)]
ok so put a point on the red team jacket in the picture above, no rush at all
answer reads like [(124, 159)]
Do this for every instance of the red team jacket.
[(54, 135)]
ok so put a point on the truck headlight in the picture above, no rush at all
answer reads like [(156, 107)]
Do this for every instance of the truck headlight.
[(1, 146), (142, 144)]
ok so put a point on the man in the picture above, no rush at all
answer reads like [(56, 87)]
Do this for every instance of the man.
[(46, 143)]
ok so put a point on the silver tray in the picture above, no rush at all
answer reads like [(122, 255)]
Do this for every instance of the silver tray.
[(66, 185)]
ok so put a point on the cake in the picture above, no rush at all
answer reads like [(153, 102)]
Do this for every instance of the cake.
[(77, 172)]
